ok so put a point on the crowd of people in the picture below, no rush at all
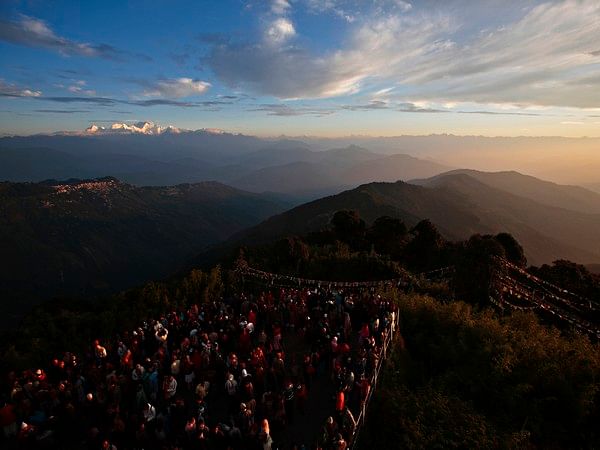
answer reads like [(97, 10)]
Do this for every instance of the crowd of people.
[(235, 373)]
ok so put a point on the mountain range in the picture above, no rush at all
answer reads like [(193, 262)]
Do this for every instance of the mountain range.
[(88, 237), (84, 238), (147, 154), (151, 154)]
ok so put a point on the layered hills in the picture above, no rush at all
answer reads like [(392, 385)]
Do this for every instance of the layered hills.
[(147, 154), (82, 238), (551, 221)]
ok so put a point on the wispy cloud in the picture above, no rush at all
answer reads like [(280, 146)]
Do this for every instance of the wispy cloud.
[(281, 109), (545, 55), (62, 111), (79, 87), (393, 106), (280, 6), (372, 105), (12, 90), (174, 87), (101, 101), (500, 113), (33, 32)]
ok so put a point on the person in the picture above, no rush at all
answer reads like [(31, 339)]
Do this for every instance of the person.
[(328, 433), (340, 443), (116, 399), (348, 422), (107, 445), (265, 436), (100, 353), (149, 413), (138, 373), (190, 428), (169, 387), (288, 398), (8, 420), (231, 387)]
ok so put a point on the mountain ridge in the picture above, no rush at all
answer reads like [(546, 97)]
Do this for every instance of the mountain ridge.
[(459, 207), (89, 237)]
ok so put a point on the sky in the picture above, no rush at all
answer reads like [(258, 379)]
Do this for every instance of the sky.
[(303, 67)]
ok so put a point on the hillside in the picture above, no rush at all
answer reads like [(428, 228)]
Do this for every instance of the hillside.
[(574, 198), (546, 232), (332, 171), (460, 206), (90, 237)]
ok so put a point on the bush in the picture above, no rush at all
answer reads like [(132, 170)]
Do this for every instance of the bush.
[(512, 381)]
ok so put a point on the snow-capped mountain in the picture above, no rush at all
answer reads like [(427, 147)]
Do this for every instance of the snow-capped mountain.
[(138, 127)]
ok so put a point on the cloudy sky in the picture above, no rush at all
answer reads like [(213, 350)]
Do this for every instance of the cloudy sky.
[(316, 67)]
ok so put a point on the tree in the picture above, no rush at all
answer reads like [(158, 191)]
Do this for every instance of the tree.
[(388, 235), (349, 227), (571, 276), (476, 266), (513, 250), (290, 252), (423, 252)]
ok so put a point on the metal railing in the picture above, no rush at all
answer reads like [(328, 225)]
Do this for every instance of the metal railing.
[(387, 343)]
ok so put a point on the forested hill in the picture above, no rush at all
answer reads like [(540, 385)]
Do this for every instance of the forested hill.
[(459, 205), (82, 238)]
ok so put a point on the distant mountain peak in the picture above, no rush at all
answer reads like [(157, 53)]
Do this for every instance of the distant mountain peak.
[(142, 127)]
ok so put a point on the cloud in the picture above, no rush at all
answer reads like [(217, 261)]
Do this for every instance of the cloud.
[(372, 105), (211, 105), (12, 90), (351, 11), (331, 6), (280, 109), (531, 56), (413, 108), (500, 113), (280, 7), (403, 6), (572, 122), (394, 106), (62, 111), (78, 87), (100, 101), (539, 59), (288, 71), (280, 31), (176, 88), (32, 32), (161, 102)]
